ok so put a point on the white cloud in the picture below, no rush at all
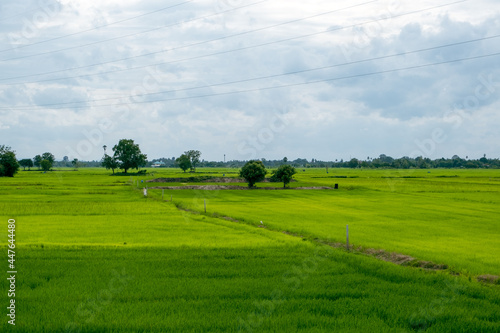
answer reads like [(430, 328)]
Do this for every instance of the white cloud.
[(366, 115)]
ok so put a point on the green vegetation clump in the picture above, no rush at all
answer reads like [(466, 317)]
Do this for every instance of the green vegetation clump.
[(128, 155), (8, 162), (183, 162), (253, 172), (283, 174), (26, 163), (109, 162)]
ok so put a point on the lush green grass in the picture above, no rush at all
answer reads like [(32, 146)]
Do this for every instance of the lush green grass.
[(265, 288), (446, 216), (94, 255)]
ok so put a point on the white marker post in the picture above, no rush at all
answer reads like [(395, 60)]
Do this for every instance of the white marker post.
[(347, 237)]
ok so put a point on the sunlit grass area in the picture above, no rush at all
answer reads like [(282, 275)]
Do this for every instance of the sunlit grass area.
[(95, 255), (446, 216)]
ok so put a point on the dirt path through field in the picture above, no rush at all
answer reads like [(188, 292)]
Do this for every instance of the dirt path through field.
[(234, 187)]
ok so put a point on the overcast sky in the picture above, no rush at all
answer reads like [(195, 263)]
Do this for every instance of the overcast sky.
[(251, 79)]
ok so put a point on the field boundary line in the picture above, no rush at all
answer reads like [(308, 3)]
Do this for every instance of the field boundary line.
[(379, 254)]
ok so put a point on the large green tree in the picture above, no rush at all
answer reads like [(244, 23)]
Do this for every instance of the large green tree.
[(50, 161), (194, 158), (110, 162), (49, 157), (129, 155), (8, 162), (353, 163), (37, 161), (253, 172), (285, 174), (46, 165), (183, 162), (26, 163)]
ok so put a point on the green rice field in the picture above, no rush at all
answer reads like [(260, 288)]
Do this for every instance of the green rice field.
[(94, 255), (446, 216)]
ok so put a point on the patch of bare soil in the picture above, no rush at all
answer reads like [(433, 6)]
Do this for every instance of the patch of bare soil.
[(292, 234), (200, 187), (233, 187), (491, 279), (203, 180), (397, 258), (403, 260), (197, 180), (230, 219)]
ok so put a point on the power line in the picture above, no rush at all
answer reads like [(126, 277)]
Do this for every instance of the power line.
[(260, 89), (95, 28), (222, 52), (173, 49), (319, 68), (314, 82), (295, 72), (199, 43), (134, 34)]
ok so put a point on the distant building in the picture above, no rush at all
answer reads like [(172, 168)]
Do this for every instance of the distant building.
[(158, 164)]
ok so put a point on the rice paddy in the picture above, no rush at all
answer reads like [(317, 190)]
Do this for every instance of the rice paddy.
[(94, 255)]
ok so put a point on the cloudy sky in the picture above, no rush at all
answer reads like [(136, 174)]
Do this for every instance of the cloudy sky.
[(251, 78)]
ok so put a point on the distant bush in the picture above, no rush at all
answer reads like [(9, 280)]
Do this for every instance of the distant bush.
[(283, 174), (8, 162)]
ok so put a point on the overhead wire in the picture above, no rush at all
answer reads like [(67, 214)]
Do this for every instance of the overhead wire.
[(217, 53), (254, 89), (198, 43), (94, 28), (323, 67), (270, 76), (173, 49), (314, 82)]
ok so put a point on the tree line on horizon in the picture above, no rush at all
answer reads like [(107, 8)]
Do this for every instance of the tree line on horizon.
[(380, 162), (127, 155)]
